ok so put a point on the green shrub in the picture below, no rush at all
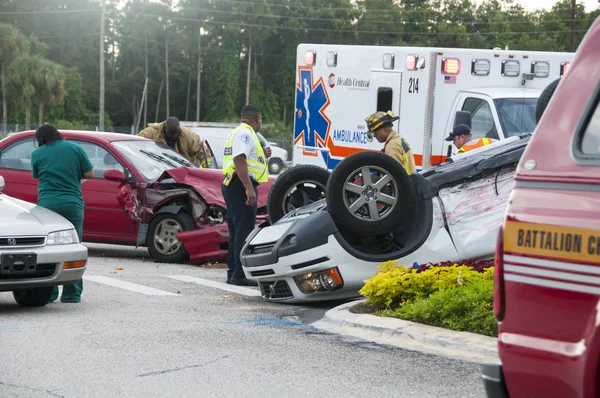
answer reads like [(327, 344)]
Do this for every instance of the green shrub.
[(395, 284), (466, 308)]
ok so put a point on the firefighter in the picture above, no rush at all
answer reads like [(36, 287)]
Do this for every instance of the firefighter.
[(463, 139), (380, 126), (245, 166), (179, 138)]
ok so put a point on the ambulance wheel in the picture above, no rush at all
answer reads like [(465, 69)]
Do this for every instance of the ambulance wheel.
[(370, 194), (544, 99), (294, 188)]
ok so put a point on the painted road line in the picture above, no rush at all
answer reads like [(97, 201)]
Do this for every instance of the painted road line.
[(134, 287), (219, 285)]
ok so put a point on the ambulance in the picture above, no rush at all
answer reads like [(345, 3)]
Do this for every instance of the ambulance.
[(431, 89)]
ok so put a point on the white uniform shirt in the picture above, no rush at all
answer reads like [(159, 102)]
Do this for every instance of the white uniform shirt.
[(244, 143)]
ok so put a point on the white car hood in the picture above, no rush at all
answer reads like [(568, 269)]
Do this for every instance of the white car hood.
[(20, 218)]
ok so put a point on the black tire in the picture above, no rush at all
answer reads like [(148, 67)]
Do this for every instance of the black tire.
[(296, 187), (275, 166), (544, 99), (359, 220), (164, 254), (37, 297)]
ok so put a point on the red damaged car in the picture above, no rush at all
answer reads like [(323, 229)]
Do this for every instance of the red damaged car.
[(143, 194)]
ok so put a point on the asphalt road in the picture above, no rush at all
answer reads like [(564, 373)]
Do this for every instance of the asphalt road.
[(168, 333)]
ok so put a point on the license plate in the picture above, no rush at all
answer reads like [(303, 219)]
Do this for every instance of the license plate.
[(18, 263)]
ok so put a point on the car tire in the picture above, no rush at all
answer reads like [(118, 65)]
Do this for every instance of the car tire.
[(37, 297), (544, 99), (275, 166), (163, 244), (296, 187), (361, 206)]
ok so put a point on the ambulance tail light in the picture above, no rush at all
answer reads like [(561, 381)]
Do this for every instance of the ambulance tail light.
[(511, 68), (310, 58), (499, 304), (450, 66), (540, 68), (411, 62), (564, 68), (480, 67)]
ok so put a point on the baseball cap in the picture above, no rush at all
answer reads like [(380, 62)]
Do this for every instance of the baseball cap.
[(459, 129)]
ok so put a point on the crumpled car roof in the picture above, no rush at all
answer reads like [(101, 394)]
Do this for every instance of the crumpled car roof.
[(207, 182)]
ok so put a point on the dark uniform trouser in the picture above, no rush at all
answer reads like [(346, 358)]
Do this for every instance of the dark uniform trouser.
[(73, 213), (241, 220)]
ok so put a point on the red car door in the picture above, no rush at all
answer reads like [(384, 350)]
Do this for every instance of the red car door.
[(105, 219), (15, 167)]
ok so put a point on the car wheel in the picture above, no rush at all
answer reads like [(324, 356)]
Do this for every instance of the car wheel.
[(544, 99), (162, 241), (38, 297), (294, 188), (275, 166), (370, 194)]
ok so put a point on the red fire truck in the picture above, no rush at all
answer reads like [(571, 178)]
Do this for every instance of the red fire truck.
[(547, 287)]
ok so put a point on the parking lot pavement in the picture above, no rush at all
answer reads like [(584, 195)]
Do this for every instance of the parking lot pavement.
[(147, 329)]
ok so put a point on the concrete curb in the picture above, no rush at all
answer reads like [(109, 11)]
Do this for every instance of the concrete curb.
[(410, 335)]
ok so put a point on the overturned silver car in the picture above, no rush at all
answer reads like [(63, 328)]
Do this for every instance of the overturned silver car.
[(368, 211)]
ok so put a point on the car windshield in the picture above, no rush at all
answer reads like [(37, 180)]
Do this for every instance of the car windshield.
[(517, 115), (150, 158)]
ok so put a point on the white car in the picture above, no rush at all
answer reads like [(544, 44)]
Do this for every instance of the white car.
[(39, 249), (373, 212)]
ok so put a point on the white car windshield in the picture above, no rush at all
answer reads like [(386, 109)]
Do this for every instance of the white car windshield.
[(517, 115), (150, 158)]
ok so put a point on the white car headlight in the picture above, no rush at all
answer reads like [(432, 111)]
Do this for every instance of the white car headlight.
[(66, 237)]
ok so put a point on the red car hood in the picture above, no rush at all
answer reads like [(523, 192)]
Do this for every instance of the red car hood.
[(207, 182)]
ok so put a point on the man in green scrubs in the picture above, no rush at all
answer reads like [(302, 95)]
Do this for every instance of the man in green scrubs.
[(59, 166)]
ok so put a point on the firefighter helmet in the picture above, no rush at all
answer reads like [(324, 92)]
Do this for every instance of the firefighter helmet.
[(380, 119)]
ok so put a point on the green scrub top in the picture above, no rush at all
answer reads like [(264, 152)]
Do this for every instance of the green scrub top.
[(59, 167)]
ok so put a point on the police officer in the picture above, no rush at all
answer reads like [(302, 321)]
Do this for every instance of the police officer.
[(245, 166), (463, 139), (380, 125)]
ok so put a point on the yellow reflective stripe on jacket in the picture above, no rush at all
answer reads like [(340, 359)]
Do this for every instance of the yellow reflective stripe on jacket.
[(480, 142), (258, 166)]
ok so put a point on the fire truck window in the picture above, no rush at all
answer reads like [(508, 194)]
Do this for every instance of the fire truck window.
[(482, 120), (384, 99), (590, 143)]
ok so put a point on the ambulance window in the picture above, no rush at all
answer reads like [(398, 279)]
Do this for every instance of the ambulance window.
[(384, 99), (482, 120), (590, 140)]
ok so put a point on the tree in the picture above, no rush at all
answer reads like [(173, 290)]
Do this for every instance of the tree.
[(50, 86), (26, 73), (12, 43)]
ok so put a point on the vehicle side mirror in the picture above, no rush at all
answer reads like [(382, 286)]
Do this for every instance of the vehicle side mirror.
[(1, 183), (114, 175)]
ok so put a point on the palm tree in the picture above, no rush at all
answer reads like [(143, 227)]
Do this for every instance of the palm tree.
[(12, 43), (26, 72), (50, 87)]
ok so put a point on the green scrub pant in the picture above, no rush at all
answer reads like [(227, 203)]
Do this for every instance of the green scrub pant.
[(74, 213)]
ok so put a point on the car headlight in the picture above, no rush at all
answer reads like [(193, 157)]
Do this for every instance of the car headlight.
[(322, 281), (65, 237)]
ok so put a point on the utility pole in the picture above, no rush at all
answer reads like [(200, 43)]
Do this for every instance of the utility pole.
[(146, 92), (167, 71), (199, 74), (187, 102), (158, 101), (101, 124), (572, 41), (249, 57)]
